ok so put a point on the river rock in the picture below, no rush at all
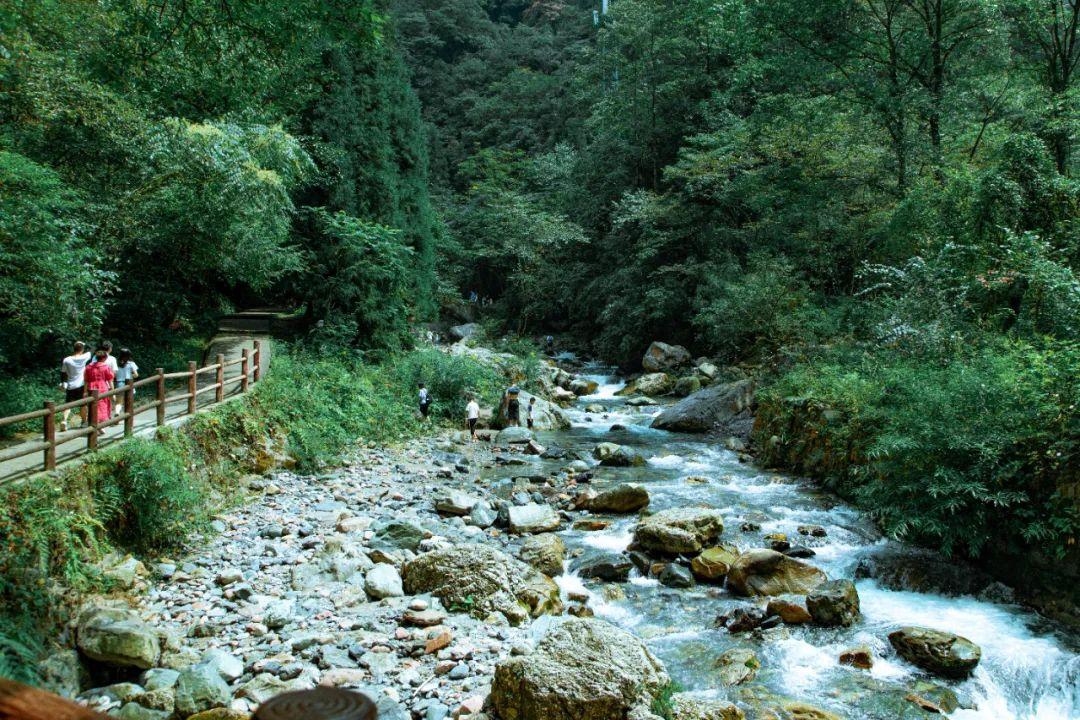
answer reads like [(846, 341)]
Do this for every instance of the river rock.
[(583, 669), (455, 503), (679, 530), (617, 455), (581, 387), (942, 653), (726, 408), (653, 384), (464, 332), (533, 518), (834, 603), (661, 356), (860, 656), (685, 386), (737, 666), (200, 688), (767, 572), (396, 535), (227, 665), (546, 552), (116, 636), (608, 567), (484, 580), (791, 613), (802, 711), (513, 435), (627, 498), (676, 576), (713, 563), (383, 581), (685, 706)]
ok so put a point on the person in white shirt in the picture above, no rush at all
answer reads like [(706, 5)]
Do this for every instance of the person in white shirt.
[(472, 415), (126, 369), (71, 380)]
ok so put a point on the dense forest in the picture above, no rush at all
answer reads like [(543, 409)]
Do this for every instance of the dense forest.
[(870, 204)]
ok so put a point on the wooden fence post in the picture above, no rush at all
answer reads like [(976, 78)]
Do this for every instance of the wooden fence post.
[(129, 408), (257, 374), (193, 385), (160, 396), (219, 395), (91, 439), (245, 368), (50, 436)]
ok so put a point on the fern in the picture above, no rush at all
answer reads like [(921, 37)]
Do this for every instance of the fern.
[(19, 654)]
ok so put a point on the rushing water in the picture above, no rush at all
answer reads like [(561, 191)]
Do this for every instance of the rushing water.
[(1029, 668)]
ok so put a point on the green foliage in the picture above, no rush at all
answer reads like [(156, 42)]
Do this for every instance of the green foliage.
[(20, 650), (955, 451), (357, 283), (450, 379), (662, 704), (146, 496)]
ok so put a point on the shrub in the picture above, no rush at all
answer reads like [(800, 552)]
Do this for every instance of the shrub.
[(147, 498), (449, 379)]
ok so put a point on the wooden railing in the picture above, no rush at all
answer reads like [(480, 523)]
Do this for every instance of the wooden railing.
[(188, 380)]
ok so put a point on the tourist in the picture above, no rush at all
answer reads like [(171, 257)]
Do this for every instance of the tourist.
[(126, 369), (472, 416), (529, 412), (513, 407), (99, 377), (71, 374), (425, 401)]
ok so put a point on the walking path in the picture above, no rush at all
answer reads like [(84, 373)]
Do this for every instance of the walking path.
[(229, 345)]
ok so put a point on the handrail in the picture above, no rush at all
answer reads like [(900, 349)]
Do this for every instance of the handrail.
[(124, 397)]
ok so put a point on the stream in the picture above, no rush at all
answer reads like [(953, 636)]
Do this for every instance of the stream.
[(1030, 668)]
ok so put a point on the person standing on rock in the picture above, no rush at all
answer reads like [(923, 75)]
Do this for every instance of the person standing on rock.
[(472, 416), (425, 401), (513, 407), (529, 412), (71, 373)]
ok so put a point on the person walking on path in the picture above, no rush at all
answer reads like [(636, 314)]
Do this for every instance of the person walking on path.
[(109, 360), (126, 369), (472, 416), (71, 374), (425, 401), (99, 377), (529, 412)]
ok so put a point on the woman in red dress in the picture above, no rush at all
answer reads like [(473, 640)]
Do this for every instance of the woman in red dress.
[(99, 378)]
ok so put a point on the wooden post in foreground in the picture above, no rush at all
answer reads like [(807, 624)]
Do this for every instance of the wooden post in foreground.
[(192, 386), (160, 372), (245, 367), (257, 374), (219, 394), (50, 436), (91, 439), (129, 408)]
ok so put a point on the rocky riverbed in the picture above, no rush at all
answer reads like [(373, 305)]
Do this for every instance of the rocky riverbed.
[(603, 569)]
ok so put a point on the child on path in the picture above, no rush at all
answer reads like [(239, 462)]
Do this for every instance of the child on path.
[(72, 381), (529, 415), (126, 369), (472, 416), (425, 401)]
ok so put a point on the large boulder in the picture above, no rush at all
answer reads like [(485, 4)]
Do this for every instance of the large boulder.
[(685, 706), (617, 455), (583, 669), (713, 564), (661, 356), (464, 332), (607, 567), (654, 384), (484, 580), (383, 581), (726, 408), (513, 435), (546, 552), (396, 535), (626, 498), (679, 530), (533, 518), (455, 503), (116, 636), (834, 603), (200, 688), (767, 572), (942, 653)]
